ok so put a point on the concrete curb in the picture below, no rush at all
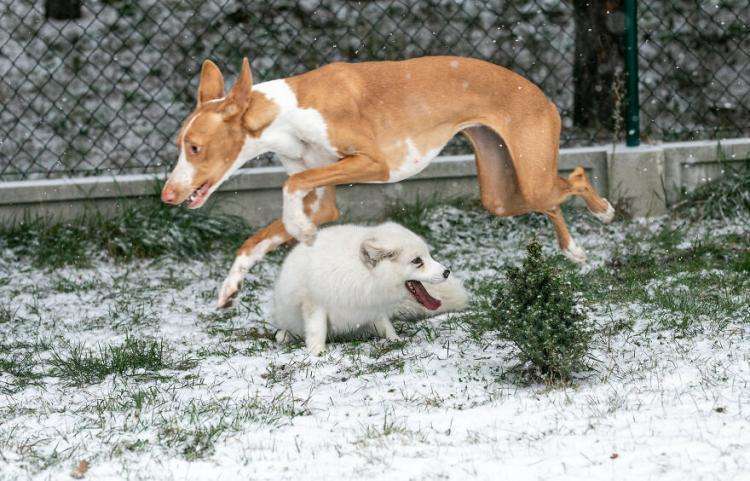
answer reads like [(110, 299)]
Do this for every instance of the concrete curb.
[(646, 178)]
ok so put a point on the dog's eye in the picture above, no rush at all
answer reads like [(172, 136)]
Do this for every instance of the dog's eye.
[(417, 261), (194, 149)]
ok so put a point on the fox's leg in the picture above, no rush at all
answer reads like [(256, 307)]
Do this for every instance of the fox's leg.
[(316, 328), (320, 206), (384, 329)]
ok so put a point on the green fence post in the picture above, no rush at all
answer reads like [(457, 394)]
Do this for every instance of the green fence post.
[(632, 114)]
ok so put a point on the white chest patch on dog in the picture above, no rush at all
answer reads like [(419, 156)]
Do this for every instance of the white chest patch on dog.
[(299, 135), (414, 161)]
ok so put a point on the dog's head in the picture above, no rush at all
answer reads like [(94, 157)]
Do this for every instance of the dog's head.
[(396, 255), (219, 136)]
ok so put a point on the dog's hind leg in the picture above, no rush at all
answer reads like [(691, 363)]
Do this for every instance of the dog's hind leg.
[(569, 248), (597, 205), (517, 167), (498, 186), (319, 205)]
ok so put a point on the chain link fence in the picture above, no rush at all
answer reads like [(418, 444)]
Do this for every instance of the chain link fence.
[(105, 93)]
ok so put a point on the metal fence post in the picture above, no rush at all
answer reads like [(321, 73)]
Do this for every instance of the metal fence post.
[(632, 115)]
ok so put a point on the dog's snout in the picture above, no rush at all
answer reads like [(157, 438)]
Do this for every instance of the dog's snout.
[(168, 195), (446, 273)]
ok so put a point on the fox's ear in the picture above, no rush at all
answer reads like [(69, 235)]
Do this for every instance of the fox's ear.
[(212, 83), (372, 251), (239, 96)]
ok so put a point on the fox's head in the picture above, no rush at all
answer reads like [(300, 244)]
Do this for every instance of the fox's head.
[(219, 136)]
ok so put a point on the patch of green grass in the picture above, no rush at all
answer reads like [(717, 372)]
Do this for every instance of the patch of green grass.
[(68, 285), (389, 427), (679, 283), (18, 360), (636, 264), (195, 431), (81, 366), (722, 198), (143, 228), (9, 313)]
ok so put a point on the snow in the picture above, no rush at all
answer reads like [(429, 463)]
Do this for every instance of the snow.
[(658, 406)]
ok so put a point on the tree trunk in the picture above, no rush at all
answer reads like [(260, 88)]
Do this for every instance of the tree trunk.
[(599, 60), (62, 9)]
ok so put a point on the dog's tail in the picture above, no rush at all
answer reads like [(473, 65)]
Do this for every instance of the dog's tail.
[(452, 295)]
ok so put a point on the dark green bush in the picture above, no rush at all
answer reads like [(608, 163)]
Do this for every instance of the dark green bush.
[(536, 309)]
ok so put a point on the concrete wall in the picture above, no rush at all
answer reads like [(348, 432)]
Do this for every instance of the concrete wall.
[(647, 179)]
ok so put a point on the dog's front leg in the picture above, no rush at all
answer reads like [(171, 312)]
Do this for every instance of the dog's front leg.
[(320, 206), (296, 221), (252, 251), (349, 170)]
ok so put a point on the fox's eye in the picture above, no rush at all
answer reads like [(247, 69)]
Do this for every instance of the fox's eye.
[(417, 261), (194, 149)]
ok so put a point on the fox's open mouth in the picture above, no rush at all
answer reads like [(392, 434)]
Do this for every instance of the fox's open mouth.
[(198, 197), (420, 294)]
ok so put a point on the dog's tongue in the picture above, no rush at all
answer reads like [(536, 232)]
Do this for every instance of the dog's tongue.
[(417, 290)]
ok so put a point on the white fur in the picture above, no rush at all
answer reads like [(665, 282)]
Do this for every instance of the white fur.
[(183, 173), (331, 280), (299, 135), (607, 215), (296, 222), (414, 162), (574, 252)]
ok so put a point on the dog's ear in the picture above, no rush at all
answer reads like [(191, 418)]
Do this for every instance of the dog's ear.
[(372, 251), (211, 85), (239, 97), (259, 113)]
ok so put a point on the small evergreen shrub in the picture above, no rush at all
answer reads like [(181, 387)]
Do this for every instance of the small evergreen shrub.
[(536, 309)]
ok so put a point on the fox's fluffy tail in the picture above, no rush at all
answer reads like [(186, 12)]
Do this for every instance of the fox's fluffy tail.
[(451, 293)]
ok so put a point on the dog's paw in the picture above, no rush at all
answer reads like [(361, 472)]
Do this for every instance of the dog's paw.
[(309, 234), (301, 228), (229, 291), (575, 253), (607, 215)]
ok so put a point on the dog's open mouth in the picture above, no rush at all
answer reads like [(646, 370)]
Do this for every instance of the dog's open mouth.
[(198, 197), (420, 294)]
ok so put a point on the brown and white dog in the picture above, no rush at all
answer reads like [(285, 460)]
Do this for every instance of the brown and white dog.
[(375, 122)]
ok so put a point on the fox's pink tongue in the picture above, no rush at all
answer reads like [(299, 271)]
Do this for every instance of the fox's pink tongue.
[(417, 290)]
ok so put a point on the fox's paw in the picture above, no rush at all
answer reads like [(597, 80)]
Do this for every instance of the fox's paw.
[(316, 349)]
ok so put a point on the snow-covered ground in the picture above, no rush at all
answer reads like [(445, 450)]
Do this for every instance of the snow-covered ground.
[(661, 404)]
